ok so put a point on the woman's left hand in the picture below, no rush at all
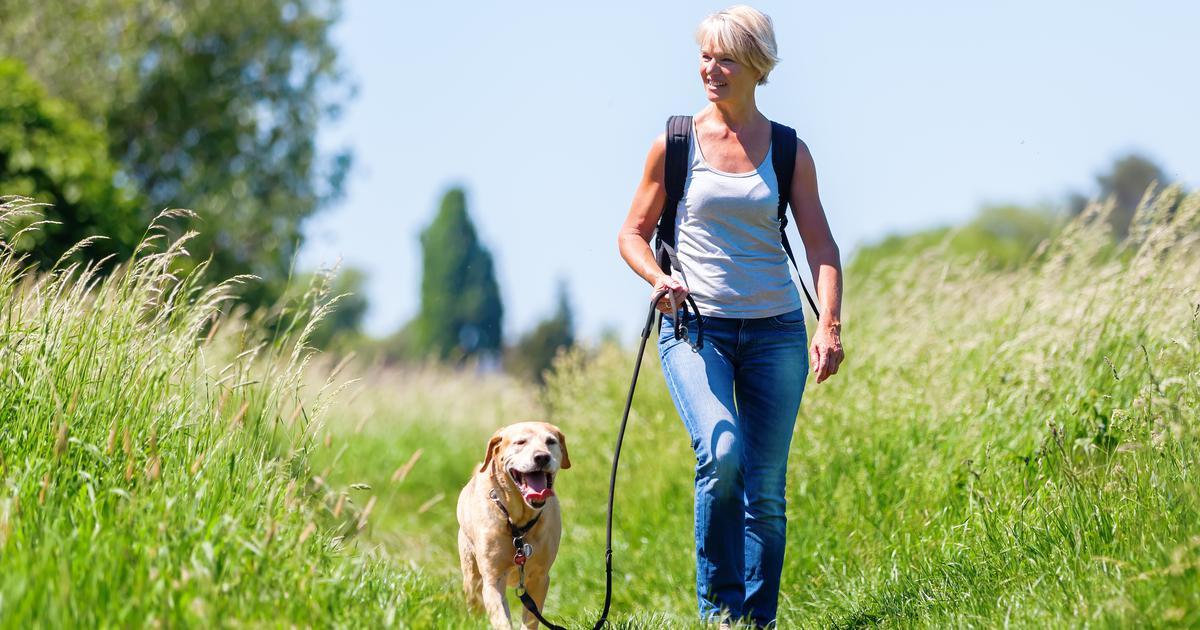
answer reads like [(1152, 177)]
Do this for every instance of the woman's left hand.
[(825, 355)]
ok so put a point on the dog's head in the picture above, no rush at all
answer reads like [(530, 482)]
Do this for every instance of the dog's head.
[(531, 454)]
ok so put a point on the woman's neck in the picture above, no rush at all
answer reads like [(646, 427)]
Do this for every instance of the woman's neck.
[(735, 115)]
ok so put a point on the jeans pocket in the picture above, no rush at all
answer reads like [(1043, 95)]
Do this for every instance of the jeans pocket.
[(792, 320)]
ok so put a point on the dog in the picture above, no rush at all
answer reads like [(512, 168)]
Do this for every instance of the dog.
[(512, 493)]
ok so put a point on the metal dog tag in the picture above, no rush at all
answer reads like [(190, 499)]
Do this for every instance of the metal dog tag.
[(527, 550)]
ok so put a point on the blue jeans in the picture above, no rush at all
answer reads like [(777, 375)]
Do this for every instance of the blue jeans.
[(738, 398)]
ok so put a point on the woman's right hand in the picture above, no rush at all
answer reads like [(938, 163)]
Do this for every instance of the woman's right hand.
[(665, 282)]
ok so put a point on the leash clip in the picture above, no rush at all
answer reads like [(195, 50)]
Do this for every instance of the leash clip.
[(524, 552)]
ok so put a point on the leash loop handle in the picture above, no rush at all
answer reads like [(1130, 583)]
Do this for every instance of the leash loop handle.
[(681, 315)]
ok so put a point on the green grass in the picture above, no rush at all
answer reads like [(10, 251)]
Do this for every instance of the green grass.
[(153, 460), (1004, 447)]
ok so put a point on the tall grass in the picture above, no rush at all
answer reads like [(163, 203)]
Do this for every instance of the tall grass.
[(153, 457), (1002, 448)]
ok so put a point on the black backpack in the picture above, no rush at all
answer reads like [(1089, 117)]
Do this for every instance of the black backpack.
[(679, 140)]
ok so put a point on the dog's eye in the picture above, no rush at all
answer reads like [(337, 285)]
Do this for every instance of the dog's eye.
[(520, 442), (551, 441)]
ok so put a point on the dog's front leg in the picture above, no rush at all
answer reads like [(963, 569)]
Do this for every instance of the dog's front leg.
[(494, 601), (472, 580), (537, 586)]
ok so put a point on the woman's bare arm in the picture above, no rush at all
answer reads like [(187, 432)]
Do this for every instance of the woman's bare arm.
[(824, 259), (638, 228)]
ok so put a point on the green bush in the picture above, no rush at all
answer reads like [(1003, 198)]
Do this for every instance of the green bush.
[(51, 154), (1000, 237)]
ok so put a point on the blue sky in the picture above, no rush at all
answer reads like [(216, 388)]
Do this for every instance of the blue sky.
[(916, 113)]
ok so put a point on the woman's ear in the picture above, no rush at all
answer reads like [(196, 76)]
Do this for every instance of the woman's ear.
[(492, 447)]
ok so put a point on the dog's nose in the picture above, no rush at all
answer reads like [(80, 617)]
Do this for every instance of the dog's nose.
[(542, 459)]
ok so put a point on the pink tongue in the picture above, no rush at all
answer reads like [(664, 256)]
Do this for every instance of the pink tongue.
[(534, 487)]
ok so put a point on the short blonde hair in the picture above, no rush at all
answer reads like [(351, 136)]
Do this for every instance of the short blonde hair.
[(744, 33)]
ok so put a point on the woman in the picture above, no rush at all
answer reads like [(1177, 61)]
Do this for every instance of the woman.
[(739, 395)]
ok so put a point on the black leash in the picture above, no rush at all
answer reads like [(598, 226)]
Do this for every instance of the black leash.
[(681, 319)]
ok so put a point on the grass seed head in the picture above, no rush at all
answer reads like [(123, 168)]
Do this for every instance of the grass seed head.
[(295, 414), (308, 530), (402, 472), (197, 464), (366, 513), (154, 468), (60, 441), (237, 417)]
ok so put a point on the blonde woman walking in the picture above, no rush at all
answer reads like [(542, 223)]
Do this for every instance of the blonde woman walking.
[(739, 394)]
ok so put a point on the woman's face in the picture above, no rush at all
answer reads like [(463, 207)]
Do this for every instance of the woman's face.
[(723, 77)]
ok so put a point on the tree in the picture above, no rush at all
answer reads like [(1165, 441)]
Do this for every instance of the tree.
[(1126, 182), (534, 353), (213, 106), (51, 154), (461, 311)]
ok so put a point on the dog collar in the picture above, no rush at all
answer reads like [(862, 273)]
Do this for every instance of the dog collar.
[(517, 531)]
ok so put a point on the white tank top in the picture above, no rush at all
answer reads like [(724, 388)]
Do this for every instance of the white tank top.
[(727, 241)]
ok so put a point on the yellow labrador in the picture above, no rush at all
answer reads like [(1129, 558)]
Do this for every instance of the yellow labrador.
[(512, 493)]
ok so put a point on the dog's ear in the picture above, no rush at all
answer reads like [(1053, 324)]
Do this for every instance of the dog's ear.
[(562, 443), (493, 446)]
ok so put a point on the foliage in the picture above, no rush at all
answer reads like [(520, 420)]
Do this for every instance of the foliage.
[(48, 152), (340, 330), (533, 354), (461, 311), (1004, 446), (1126, 182), (999, 237), (154, 462), (212, 105)]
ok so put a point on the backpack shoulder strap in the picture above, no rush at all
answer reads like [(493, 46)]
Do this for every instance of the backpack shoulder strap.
[(783, 160), (679, 140)]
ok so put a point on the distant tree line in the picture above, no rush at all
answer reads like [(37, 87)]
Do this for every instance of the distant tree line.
[(1006, 236)]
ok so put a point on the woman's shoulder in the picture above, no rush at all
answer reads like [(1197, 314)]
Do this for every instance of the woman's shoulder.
[(658, 146), (656, 159)]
